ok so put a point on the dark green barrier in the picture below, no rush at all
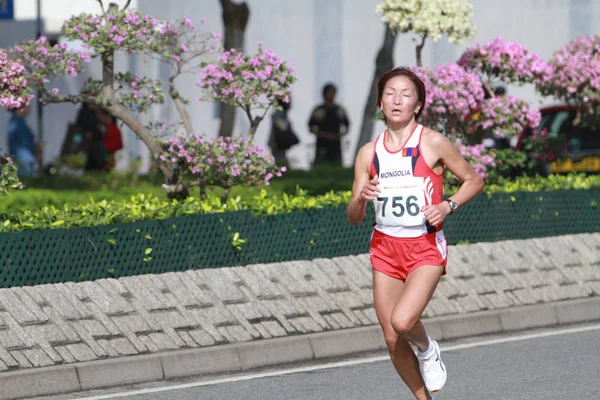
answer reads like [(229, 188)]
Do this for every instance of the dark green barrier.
[(208, 241)]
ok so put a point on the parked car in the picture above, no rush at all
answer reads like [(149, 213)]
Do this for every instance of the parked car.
[(579, 141)]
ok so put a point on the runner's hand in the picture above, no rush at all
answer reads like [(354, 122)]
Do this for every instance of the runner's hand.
[(370, 191), (435, 214)]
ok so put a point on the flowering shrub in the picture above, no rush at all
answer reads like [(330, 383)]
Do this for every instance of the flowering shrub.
[(250, 82), (127, 30), (576, 78), (223, 162), (451, 92), (263, 78), (8, 176), (14, 93), (132, 91), (511, 62), (506, 116), (478, 157), (432, 18), (43, 61), (13, 88)]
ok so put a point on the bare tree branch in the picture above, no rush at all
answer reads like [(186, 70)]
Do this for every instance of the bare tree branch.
[(75, 99), (101, 6), (127, 5), (487, 88), (247, 110), (142, 132), (179, 105), (179, 187)]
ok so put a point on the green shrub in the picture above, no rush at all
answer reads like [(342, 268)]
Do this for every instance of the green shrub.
[(148, 207), (551, 182), (104, 212), (64, 211)]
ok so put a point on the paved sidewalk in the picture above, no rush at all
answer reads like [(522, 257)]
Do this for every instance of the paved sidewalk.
[(77, 336), (246, 356)]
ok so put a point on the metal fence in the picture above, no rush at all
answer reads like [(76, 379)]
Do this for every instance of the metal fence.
[(238, 238)]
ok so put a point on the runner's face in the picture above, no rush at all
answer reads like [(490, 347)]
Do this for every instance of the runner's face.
[(399, 102)]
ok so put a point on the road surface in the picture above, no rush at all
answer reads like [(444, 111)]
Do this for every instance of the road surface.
[(561, 364)]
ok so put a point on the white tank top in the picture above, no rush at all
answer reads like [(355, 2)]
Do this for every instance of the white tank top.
[(407, 183)]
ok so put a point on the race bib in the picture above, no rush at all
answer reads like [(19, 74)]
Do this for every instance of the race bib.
[(400, 202)]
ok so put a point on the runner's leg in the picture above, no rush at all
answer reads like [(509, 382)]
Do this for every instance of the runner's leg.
[(418, 290), (387, 292)]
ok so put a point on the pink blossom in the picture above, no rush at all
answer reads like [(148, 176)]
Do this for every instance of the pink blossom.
[(188, 23), (509, 61), (451, 91), (506, 116), (576, 74)]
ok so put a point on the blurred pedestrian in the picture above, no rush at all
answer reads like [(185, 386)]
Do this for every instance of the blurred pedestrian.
[(93, 130), (22, 144), (329, 122), (112, 138), (282, 136)]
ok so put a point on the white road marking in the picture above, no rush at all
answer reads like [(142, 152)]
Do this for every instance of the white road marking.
[(340, 364)]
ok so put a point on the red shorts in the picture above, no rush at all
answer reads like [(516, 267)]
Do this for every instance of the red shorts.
[(398, 257)]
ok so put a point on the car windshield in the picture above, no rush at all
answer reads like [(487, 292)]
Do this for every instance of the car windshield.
[(561, 125)]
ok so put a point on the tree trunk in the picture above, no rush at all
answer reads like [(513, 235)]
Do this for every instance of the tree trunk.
[(419, 50), (451, 128), (383, 63), (253, 127), (235, 19)]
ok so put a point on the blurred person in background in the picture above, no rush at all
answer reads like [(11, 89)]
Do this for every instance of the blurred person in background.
[(88, 121), (22, 144), (112, 137), (282, 136), (329, 122)]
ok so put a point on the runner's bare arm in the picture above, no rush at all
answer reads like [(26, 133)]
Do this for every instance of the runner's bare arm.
[(364, 188), (472, 184)]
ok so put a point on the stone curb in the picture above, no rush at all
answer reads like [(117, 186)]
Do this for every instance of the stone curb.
[(242, 357)]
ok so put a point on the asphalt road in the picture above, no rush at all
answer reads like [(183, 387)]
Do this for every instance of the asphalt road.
[(553, 367)]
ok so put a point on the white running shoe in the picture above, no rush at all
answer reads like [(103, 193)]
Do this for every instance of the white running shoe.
[(433, 369)]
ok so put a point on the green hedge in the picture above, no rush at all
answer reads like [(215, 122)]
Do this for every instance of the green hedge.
[(141, 207), (241, 238)]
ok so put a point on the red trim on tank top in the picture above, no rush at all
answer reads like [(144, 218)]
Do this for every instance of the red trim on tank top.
[(401, 147), (372, 170), (423, 157)]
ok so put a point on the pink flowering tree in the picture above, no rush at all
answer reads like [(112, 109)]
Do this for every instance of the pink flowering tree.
[(14, 89), (478, 157), (452, 94), (510, 63), (124, 95), (576, 78), (252, 83), (506, 116), (14, 94)]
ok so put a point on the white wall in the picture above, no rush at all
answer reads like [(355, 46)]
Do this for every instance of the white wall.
[(54, 12), (331, 40)]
